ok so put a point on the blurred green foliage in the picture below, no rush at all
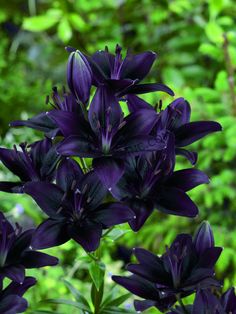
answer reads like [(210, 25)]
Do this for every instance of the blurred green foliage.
[(196, 45)]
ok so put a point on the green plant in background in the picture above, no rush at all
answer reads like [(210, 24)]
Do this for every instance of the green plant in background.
[(196, 42)]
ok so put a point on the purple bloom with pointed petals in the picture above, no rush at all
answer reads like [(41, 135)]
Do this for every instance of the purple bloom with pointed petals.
[(176, 119), (11, 300), (16, 253), (180, 270), (150, 182), (75, 209), (42, 122), (124, 75), (36, 164), (107, 137)]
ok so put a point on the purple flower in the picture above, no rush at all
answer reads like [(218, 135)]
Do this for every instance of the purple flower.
[(207, 303), (180, 270), (43, 122), (124, 75), (36, 164), (75, 209), (176, 119), (107, 136), (16, 253), (79, 76), (11, 300), (150, 182)]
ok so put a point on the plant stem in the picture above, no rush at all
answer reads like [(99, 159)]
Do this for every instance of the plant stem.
[(108, 231), (84, 165), (181, 304)]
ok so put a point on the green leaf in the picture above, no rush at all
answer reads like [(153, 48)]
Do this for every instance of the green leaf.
[(77, 305), (77, 21), (78, 296), (214, 32), (64, 30), (118, 301), (39, 23), (115, 310), (97, 272)]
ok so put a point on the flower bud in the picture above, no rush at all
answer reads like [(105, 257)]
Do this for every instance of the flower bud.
[(79, 76), (203, 238)]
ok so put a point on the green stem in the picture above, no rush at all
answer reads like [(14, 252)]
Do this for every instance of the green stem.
[(92, 257), (84, 165), (182, 304), (108, 231)]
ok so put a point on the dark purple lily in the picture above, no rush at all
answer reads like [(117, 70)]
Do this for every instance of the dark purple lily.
[(75, 209), (124, 75), (179, 271), (42, 122), (107, 136), (36, 164), (11, 301), (16, 253), (207, 303), (150, 182)]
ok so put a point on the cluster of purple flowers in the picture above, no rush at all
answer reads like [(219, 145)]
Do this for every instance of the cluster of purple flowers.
[(132, 172)]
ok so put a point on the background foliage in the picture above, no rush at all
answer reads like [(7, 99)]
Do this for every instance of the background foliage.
[(196, 45)]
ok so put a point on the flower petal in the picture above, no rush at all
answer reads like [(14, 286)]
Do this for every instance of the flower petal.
[(13, 304), (11, 187), (191, 156), (15, 273), (109, 170), (48, 196), (136, 103), (147, 88), (187, 179), (193, 131), (176, 202), (137, 66), (19, 288), (142, 211), (203, 238), (33, 259), (50, 233), (88, 235), (111, 214)]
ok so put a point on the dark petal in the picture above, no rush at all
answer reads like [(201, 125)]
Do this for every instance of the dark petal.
[(11, 187), (120, 86), (148, 88), (176, 202), (15, 273), (50, 233), (203, 238), (21, 244), (197, 276), (70, 123), (33, 259), (12, 304), (78, 146), (68, 174), (209, 257), (141, 306), (139, 144), (183, 110), (19, 288), (187, 179), (41, 122), (228, 300), (104, 61), (142, 211), (88, 235), (111, 214), (191, 156), (206, 302), (138, 286), (93, 190), (109, 170), (139, 122), (104, 110), (137, 66), (48, 196), (38, 151), (13, 161), (193, 131), (136, 103), (79, 76), (49, 163)]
